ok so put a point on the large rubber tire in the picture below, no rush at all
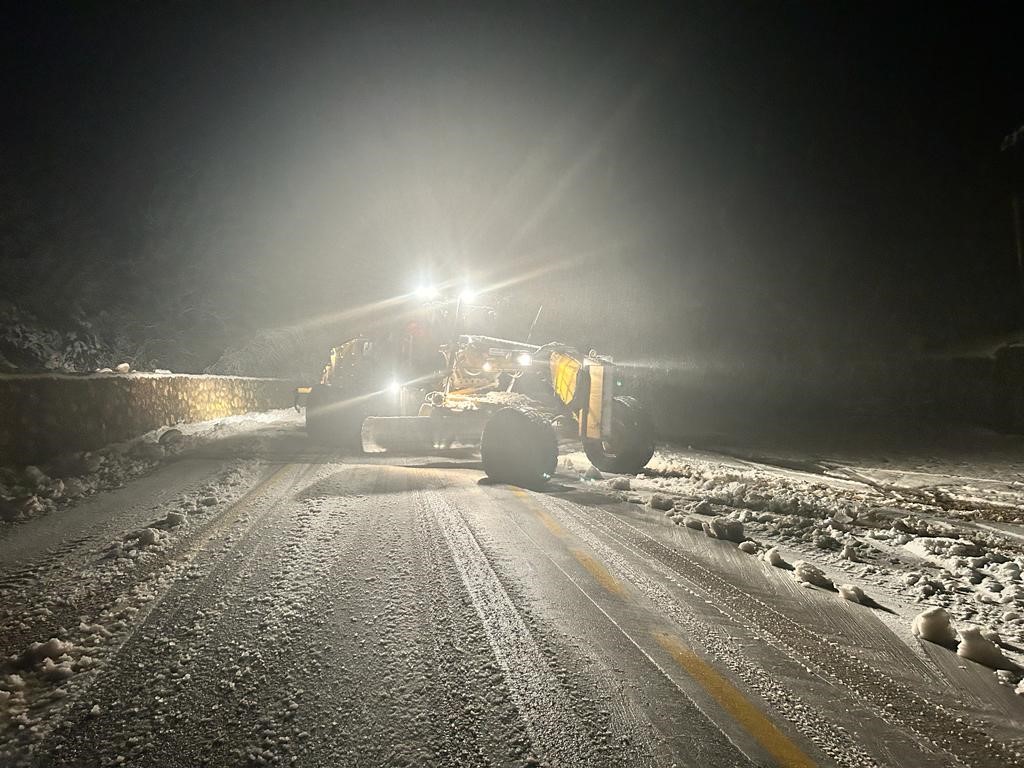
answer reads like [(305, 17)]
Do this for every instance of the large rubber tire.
[(519, 447), (330, 421), (632, 444)]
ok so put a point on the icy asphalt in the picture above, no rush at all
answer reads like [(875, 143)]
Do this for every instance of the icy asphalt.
[(316, 610)]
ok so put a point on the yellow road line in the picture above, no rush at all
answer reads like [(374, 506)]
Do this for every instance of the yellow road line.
[(549, 523), (548, 520), (601, 574), (784, 751)]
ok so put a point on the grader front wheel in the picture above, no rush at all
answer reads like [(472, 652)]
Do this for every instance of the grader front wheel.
[(519, 447)]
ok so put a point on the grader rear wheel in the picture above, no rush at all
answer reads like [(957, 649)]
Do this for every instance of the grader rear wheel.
[(632, 440), (519, 447)]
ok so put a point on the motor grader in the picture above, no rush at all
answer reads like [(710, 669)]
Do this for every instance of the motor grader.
[(514, 400)]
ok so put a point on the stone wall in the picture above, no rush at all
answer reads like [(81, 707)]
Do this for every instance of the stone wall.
[(46, 415)]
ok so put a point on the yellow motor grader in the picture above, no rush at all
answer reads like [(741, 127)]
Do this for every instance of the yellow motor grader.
[(512, 399)]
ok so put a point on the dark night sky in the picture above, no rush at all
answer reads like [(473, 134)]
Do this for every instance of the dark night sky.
[(715, 177)]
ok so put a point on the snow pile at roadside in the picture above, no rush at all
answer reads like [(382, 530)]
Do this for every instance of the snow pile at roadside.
[(42, 665), (34, 490), (128, 576), (37, 675), (898, 546)]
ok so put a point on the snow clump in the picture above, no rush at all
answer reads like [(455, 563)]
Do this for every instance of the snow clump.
[(774, 559), (976, 647), (727, 530), (851, 592), (808, 573), (170, 437), (174, 519), (56, 670), (148, 537), (662, 501), (53, 648), (933, 625)]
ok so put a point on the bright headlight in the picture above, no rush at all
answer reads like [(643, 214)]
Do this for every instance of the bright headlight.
[(524, 359)]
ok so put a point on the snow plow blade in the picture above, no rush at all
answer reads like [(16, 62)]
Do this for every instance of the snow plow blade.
[(417, 434)]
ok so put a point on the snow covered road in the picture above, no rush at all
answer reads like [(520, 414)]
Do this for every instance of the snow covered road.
[(315, 610)]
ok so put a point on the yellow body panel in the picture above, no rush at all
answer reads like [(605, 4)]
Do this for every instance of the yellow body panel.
[(564, 371), (595, 403)]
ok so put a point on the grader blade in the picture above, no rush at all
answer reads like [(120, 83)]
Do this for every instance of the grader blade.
[(418, 434)]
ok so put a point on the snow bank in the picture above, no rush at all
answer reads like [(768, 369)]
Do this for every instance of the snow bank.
[(36, 490), (917, 545)]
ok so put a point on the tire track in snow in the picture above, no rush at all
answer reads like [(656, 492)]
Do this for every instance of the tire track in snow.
[(545, 706), (416, 682)]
